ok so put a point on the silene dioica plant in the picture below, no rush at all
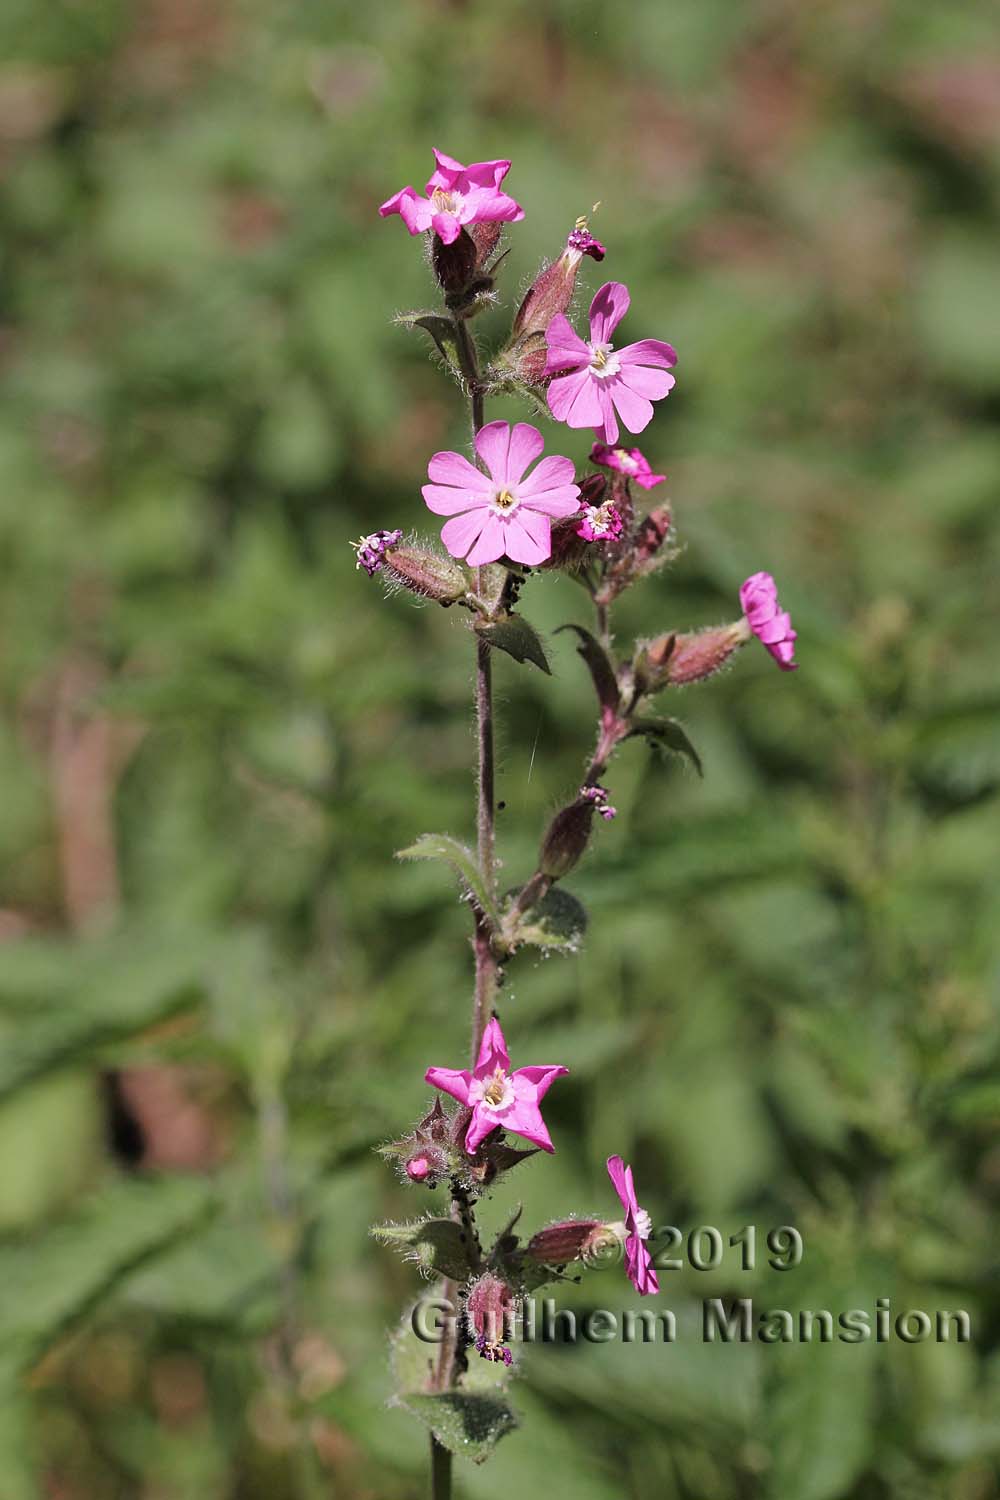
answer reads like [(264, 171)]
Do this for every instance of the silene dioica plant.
[(514, 516)]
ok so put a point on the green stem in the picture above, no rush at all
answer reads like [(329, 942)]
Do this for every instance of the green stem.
[(440, 1471)]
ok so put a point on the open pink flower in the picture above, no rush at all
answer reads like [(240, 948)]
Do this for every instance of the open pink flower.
[(769, 622), (495, 1095), (505, 513), (628, 461), (457, 196), (605, 383), (638, 1226)]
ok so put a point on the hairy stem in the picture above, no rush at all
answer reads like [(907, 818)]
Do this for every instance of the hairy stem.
[(450, 1356)]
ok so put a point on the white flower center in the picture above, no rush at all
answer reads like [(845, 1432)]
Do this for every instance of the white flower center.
[(504, 502), (603, 360), (626, 461), (443, 202), (643, 1224), (496, 1091)]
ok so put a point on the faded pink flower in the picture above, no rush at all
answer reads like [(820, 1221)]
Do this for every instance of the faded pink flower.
[(601, 523), (505, 513), (599, 795), (767, 620), (628, 461), (371, 549), (605, 383), (495, 1095), (638, 1226), (457, 196)]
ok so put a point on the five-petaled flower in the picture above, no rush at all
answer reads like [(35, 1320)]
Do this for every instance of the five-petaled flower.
[(638, 1226), (770, 623), (504, 513), (628, 461), (596, 383), (456, 196), (601, 523), (497, 1096)]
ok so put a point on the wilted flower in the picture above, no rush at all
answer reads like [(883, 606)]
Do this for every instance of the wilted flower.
[(598, 795), (601, 523), (496, 1096), (638, 1227), (490, 1305), (605, 383), (371, 549), (552, 289), (457, 196), (504, 513), (767, 620), (628, 461)]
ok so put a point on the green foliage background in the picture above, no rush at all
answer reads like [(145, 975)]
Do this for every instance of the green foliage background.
[(215, 732)]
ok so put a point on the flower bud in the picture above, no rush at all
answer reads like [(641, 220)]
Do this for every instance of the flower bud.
[(566, 839), (454, 264), (485, 237), (650, 534), (674, 660), (418, 1168), (425, 572), (559, 1243), (552, 290)]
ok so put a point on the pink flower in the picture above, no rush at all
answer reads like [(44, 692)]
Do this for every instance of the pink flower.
[(628, 461), (601, 523), (598, 795), (769, 622), (638, 1261), (505, 513), (604, 383), (495, 1095), (457, 196)]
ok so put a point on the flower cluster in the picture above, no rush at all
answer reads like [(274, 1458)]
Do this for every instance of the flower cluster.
[(598, 795)]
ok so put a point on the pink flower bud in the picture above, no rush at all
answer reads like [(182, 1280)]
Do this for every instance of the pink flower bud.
[(552, 290), (566, 839), (418, 1169), (651, 532), (425, 572), (674, 660)]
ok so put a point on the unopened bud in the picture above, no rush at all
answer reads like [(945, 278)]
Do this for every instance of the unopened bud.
[(566, 839), (418, 1168), (485, 237), (425, 572), (559, 1243), (674, 660), (454, 264)]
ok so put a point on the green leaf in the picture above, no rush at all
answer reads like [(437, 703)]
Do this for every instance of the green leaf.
[(440, 1247), (558, 921), (462, 861), (224, 1277), (469, 1423), (820, 1420), (668, 735), (600, 666), (442, 332), (52, 1282), (514, 635)]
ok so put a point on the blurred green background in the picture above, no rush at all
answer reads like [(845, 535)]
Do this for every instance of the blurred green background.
[(218, 991)]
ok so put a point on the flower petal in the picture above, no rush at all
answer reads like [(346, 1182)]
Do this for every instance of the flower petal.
[(453, 1081), (564, 501), (524, 1118), (445, 172), (653, 384), (460, 532), (533, 1083), (566, 348), (639, 1267), (553, 473), (482, 1122), (635, 411), (648, 352), (490, 545), (493, 1048), (416, 212), (607, 310), (443, 500), (493, 445), (526, 443), (447, 227), (574, 399), (528, 537), (486, 173), (608, 428), (454, 468), (616, 1171)]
